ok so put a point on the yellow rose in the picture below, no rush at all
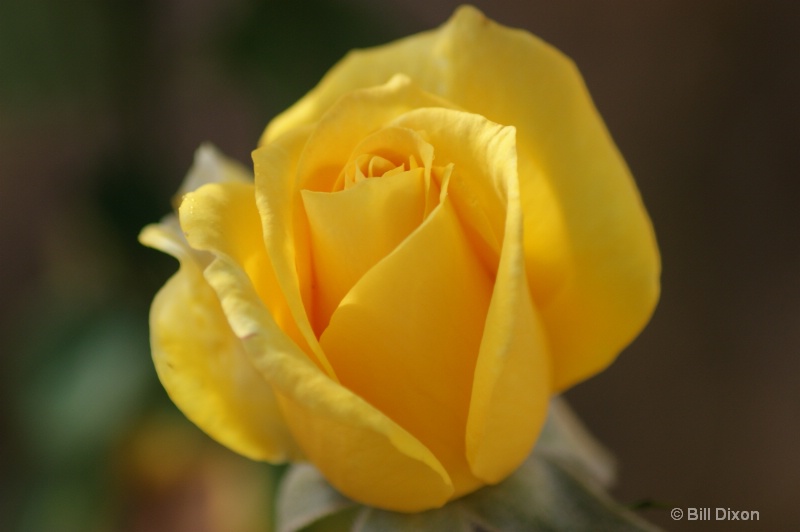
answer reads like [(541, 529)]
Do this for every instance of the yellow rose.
[(440, 237)]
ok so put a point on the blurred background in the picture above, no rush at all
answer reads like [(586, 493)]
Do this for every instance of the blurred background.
[(102, 105)]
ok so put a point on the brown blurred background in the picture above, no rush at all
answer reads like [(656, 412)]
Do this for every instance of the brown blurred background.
[(102, 105)]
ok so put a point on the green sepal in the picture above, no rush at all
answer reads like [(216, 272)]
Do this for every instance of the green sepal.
[(564, 438), (546, 494), (452, 517), (559, 487), (305, 498)]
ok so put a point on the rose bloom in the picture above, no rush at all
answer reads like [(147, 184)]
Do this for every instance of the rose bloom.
[(439, 238)]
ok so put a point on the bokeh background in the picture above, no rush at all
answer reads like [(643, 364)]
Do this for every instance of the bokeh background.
[(102, 105)]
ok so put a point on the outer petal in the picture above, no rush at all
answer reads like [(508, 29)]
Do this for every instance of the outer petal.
[(361, 451), (210, 166), (202, 364), (591, 255)]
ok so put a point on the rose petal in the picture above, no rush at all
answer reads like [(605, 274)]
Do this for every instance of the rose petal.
[(222, 218), (406, 337), (591, 255), (203, 366), (362, 452), (353, 229), (211, 166), (285, 167), (483, 155), (354, 117), (347, 76), (590, 252), (286, 233), (513, 375), (513, 380)]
